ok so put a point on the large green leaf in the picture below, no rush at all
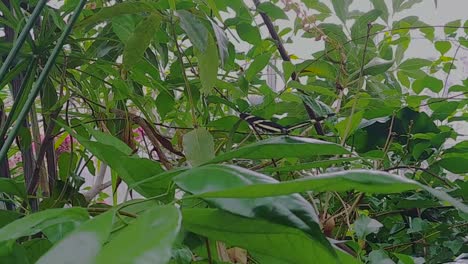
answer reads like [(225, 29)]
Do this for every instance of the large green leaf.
[(198, 146), (257, 65), (360, 27), (291, 210), (272, 10), (249, 33), (83, 244), (319, 68), (195, 30), (208, 65), (13, 187), (129, 7), (361, 180), (282, 147), (34, 223), (7, 217), (140, 40), (380, 5), (132, 169), (341, 8), (149, 239), (281, 243)]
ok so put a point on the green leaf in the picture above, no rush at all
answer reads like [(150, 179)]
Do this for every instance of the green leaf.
[(400, 5), (291, 210), (140, 40), (430, 82), (361, 180), (208, 65), (374, 67), (198, 146), (310, 165), (222, 41), (455, 163), (131, 169), (317, 5), (34, 223), (313, 88), (282, 243), (360, 27), (148, 239), (365, 225), (129, 7), (13, 187), (452, 27), (257, 65), (272, 10), (341, 8), (83, 244), (414, 64), (443, 46), (195, 30), (347, 126), (7, 217), (282, 147), (249, 33), (381, 6), (319, 68)]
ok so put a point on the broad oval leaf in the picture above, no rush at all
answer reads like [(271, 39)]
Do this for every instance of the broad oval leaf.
[(83, 244), (257, 65), (282, 243), (282, 147), (290, 210), (34, 223), (149, 239), (198, 146)]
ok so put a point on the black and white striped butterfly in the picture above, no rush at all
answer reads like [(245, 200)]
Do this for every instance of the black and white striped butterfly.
[(272, 127)]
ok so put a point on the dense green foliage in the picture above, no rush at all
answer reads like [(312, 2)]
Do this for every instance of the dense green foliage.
[(153, 90)]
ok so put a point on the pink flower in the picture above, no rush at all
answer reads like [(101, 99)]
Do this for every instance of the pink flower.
[(66, 145), (140, 133)]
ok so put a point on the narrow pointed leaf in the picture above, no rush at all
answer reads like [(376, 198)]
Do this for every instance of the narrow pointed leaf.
[(34, 223), (361, 180), (282, 147)]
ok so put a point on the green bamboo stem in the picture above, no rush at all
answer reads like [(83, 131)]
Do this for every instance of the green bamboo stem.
[(42, 77), (21, 39)]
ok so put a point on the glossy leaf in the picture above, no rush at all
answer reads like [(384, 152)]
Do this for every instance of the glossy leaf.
[(198, 146), (83, 244), (279, 242), (292, 210), (148, 239), (361, 180), (34, 223), (281, 147)]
